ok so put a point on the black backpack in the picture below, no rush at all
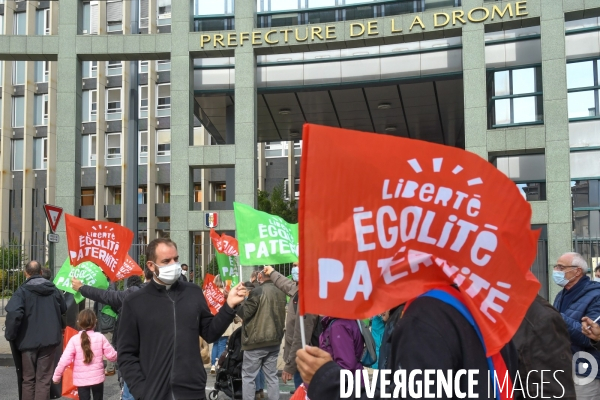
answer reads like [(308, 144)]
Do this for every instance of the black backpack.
[(316, 334)]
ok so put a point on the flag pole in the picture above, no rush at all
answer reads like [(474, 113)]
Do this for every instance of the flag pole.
[(302, 333)]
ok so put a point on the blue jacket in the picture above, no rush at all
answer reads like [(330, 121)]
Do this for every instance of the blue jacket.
[(585, 303)]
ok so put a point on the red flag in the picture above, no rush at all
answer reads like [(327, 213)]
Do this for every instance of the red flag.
[(224, 244), (128, 268), (68, 388), (214, 297), (104, 243), (425, 216)]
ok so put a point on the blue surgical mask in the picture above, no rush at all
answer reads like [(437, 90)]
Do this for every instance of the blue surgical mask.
[(559, 278), (295, 271)]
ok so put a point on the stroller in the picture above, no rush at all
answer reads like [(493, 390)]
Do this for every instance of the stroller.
[(229, 373)]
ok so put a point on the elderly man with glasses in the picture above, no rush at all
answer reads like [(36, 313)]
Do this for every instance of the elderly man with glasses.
[(580, 297)]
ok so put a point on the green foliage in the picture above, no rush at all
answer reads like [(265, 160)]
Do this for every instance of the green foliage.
[(275, 203), (213, 267), (12, 257)]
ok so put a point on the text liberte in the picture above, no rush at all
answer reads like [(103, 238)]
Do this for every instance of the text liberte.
[(358, 30)]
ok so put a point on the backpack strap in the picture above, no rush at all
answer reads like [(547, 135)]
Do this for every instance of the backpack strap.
[(495, 362)]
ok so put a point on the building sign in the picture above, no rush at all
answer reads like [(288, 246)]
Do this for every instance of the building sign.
[(358, 30)]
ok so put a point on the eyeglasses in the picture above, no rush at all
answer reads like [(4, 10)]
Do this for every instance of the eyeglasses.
[(559, 267)]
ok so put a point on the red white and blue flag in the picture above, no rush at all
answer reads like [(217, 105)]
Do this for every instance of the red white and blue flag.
[(212, 220)]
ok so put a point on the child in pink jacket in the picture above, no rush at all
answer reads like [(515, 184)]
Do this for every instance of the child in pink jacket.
[(86, 349)]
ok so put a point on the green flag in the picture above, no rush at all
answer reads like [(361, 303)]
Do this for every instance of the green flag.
[(228, 268), (87, 272), (264, 238), (108, 311)]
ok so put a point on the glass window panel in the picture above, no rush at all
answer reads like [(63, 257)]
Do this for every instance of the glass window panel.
[(40, 24), (502, 108), (320, 3), (17, 155), (584, 133), (582, 104), (113, 149), (38, 109), (86, 18), (85, 150), (502, 83), (143, 67), (278, 5), (20, 23), (19, 73), (163, 65), (210, 7), (87, 197), (18, 111), (580, 75), (584, 164), (523, 81), (524, 109)]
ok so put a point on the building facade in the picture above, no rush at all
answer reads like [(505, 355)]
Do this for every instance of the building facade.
[(207, 98)]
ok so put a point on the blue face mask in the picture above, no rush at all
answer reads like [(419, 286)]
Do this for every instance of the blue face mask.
[(559, 278), (295, 274)]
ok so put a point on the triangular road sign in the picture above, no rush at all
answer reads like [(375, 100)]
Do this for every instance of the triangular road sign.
[(53, 215)]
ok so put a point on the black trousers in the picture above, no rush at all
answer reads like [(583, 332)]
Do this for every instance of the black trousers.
[(38, 366), (86, 392)]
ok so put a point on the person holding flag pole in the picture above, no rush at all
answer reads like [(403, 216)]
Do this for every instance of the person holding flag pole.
[(442, 232)]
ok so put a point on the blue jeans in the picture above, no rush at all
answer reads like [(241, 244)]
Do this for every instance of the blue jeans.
[(260, 380), (126, 394), (297, 379), (218, 349)]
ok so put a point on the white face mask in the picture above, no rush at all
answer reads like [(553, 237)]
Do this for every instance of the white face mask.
[(168, 274), (597, 279), (184, 273)]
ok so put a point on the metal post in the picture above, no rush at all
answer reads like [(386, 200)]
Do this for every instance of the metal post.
[(131, 158)]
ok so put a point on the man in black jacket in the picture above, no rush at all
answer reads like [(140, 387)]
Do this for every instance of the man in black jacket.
[(115, 300), (158, 346), (34, 324), (430, 335)]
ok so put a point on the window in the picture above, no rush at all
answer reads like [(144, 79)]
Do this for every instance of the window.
[(164, 12), (582, 82), (163, 65), (113, 149), (143, 67), (164, 193), (113, 104), (197, 193), (90, 69), (40, 110), (88, 197), (86, 23), (585, 195), (528, 172), (19, 72), (18, 114), (114, 68), (89, 105), (114, 15), (143, 101), (1, 24), (142, 195), (144, 13), (220, 191), (515, 97), (280, 149), (20, 26), (40, 153), (42, 22), (163, 101), (163, 146), (16, 155), (116, 193), (143, 143), (296, 189), (88, 151), (42, 71)]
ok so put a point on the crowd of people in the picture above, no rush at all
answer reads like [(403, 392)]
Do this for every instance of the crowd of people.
[(153, 337)]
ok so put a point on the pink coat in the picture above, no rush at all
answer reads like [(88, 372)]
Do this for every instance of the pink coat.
[(85, 374)]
